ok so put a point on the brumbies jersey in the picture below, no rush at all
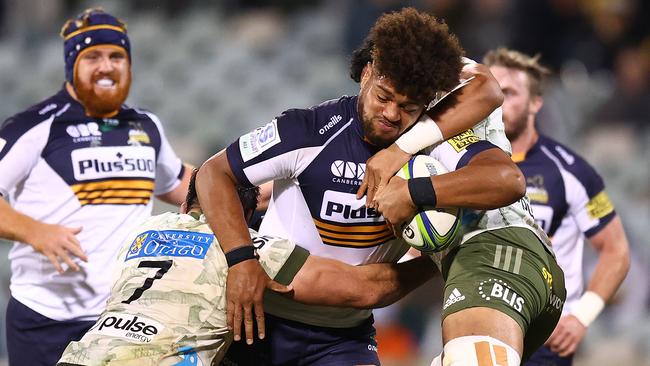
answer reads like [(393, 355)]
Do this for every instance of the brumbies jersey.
[(61, 167), (316, 158), (168, 296), (569, 201), (456, 152)]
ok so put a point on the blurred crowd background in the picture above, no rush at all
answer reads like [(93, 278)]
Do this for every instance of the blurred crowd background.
[(212, 70)]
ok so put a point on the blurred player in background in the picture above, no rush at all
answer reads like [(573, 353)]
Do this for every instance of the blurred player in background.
[(569, 201), (167, 303), (80, 169), (316, 160)]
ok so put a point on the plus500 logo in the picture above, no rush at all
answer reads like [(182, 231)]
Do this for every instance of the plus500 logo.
[(132, 327), (114, 162), (346, 208)]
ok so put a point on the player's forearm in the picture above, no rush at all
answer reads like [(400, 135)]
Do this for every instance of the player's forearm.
[(613, 261), (387, 283), (487, 182), (474, 103), (15, 225), (215, 188), (459, 112)]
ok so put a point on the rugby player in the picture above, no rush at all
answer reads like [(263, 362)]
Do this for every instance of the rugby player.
[(569, 201), (167, 304), (316, 159), (80, 170)]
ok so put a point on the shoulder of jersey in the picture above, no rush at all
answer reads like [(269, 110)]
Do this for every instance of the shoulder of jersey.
[(36, 114), (320, 121), (567, 158)]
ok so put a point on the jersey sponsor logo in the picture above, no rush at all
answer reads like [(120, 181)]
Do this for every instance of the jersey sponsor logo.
[(47, 108), (600, 206), (137, 135), (535, 190), (495, 289), (84, 132), (347, 172), (454, 297), (114, 161), (3, 142), (555, 301), (136, 328), (170, 243), (463, 140), (333, 121), (259, 140), (346, 208)]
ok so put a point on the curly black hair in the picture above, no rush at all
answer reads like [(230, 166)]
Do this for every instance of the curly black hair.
[(414, 50)]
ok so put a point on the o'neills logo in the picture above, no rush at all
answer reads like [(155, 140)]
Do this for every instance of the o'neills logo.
[(132, 327)]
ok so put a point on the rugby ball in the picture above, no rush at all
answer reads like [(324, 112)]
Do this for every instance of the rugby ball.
[(432, 229)]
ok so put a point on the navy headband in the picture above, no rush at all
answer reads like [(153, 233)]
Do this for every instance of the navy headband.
[(92, 28)]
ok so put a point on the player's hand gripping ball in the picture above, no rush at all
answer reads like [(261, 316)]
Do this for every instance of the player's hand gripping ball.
[(431, 229)]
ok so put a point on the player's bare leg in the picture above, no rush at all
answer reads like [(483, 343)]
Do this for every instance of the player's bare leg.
[(503, 335)]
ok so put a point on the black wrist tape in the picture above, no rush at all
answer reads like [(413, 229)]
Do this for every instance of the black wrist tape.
[(422, 192), (240, 254)]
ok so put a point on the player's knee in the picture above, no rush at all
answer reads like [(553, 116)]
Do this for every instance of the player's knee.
[(479, 350)]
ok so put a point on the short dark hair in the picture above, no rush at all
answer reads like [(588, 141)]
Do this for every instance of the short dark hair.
[(512, 59), (247, 196), (414, 50)]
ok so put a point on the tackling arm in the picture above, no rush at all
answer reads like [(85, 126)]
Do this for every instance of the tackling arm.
[(323, 281), (490, 180)]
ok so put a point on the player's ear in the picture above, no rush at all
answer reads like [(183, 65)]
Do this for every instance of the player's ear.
[(365, 74), (536, 104), (184, 208)]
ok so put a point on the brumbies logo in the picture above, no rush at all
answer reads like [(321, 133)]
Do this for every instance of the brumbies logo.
[(137, 135), (135, 328), (171, 243)]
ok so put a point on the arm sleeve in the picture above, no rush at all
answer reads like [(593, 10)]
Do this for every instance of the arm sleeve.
[(280, 258), (21, 143), (457, 151), (280, 149), (588, 201), (169, 167)]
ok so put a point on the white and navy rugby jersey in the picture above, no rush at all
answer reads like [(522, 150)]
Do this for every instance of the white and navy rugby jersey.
[(61, 167), (456, 153), (316, 158), (569, 201)]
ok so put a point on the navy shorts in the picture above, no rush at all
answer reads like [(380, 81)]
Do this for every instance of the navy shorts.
[(545, 357), (35, 340), (290, 343)]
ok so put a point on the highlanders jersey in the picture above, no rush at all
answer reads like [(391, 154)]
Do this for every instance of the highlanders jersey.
[(569, 201), (61, 167), (168, 297), (316, 158), (455, 153)]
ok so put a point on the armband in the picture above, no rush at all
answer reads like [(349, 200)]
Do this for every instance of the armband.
[(588, 307), (423, 134), (240, 254), (422, 192)]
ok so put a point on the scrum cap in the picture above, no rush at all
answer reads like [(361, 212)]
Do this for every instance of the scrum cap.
[(91, 28)]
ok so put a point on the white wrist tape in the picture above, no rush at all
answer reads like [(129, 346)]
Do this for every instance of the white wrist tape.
[(423, 134), (588, 307)]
